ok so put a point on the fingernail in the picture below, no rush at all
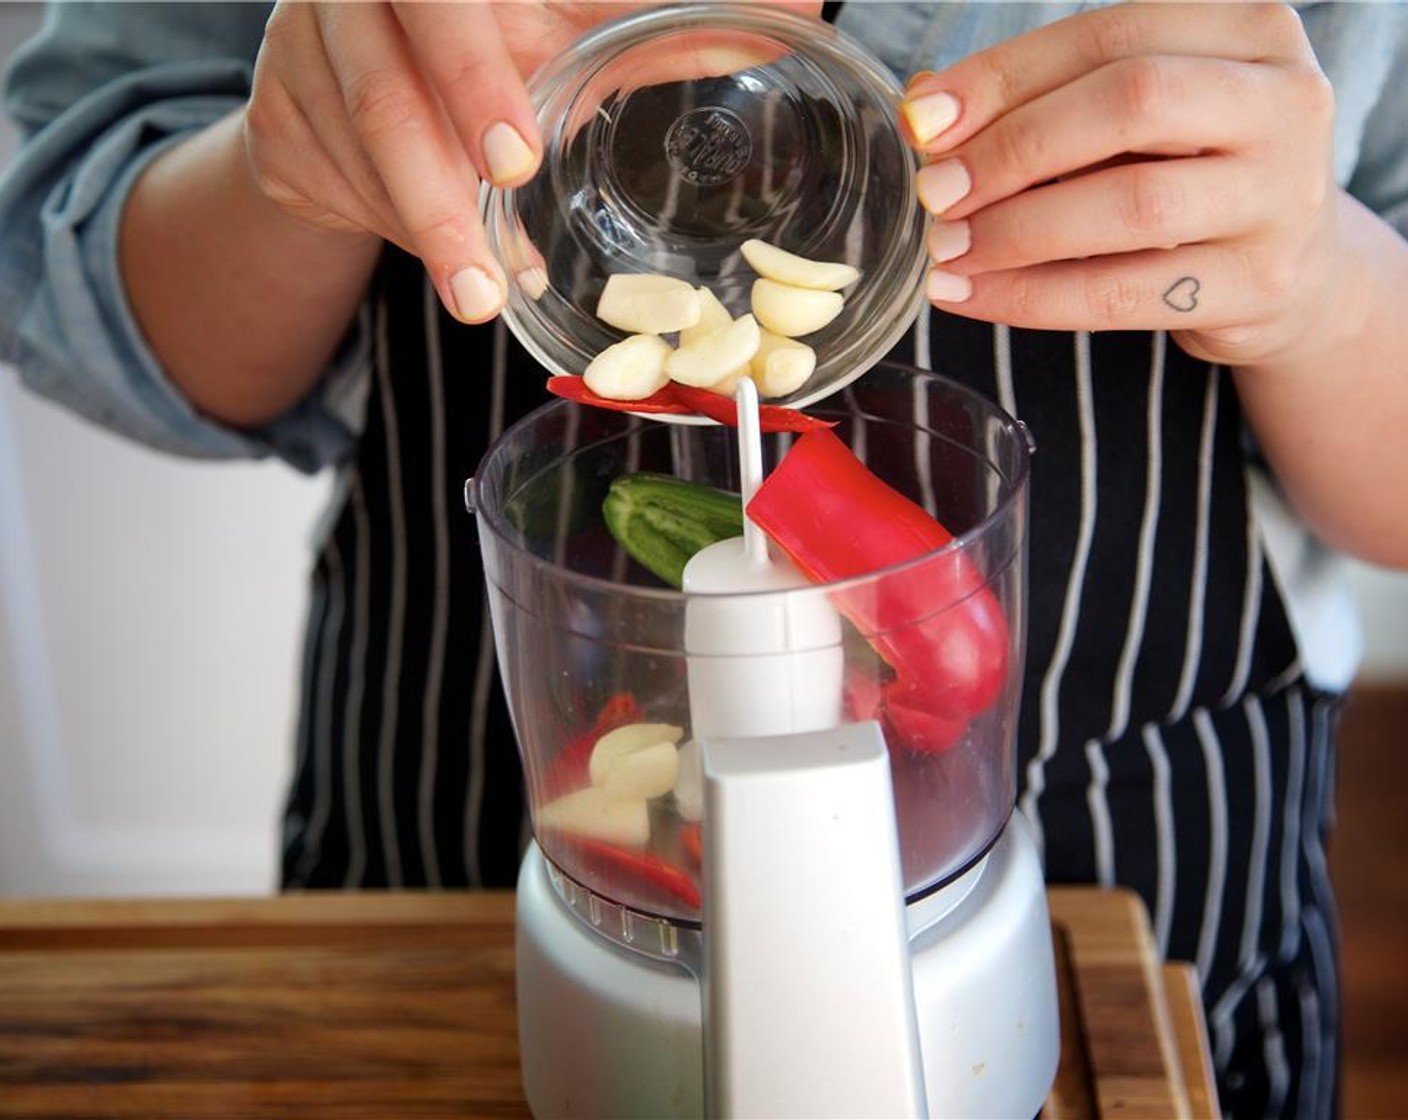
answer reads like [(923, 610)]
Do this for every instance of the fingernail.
[(719, 62), (948, 240), (477, 295), (946, 287), (506, 152), (942, 184), (533, 281), (930, 114)]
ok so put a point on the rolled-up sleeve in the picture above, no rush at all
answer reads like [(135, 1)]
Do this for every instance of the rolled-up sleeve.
[(99, 93)]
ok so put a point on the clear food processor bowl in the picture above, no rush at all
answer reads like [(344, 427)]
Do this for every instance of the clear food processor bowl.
[(672, 136), (588, 641)]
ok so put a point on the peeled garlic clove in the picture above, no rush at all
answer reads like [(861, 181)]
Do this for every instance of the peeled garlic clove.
[(600, 815), (787, 268), (786, 310), (646, 773), (617, 744), (689, 785), (645, 303), (631, 369), (713, 316), (781, 365), (727, 386), (712, 358)]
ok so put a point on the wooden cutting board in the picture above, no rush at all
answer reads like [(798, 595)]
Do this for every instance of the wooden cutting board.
[(353, 1006), (1133, 1041)]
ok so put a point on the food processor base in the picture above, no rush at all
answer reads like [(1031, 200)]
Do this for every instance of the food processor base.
[(985, 989), (609, 1003), (603, 1030)]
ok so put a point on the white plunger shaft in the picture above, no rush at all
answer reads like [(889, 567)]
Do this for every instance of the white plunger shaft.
[(750, 466)]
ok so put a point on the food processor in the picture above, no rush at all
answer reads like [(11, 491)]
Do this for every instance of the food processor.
[(805, 891)]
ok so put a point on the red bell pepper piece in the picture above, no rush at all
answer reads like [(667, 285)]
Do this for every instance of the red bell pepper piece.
[(568, 770), (862, 695), (683, 400), (613, 864), (937, 624), (909, 724)]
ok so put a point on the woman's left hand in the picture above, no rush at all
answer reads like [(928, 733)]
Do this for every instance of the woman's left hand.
[(1137, 167)]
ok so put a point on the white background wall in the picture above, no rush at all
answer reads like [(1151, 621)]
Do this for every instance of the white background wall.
[(150, 612), (1383, 608), (149, 620)]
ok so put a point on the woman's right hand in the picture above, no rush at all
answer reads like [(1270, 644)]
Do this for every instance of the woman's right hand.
[(385, 117)]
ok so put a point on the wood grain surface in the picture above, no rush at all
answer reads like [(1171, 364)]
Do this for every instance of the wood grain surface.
[(350, 1006), (340, 1007), (1136, 1047), (1184, 1002)]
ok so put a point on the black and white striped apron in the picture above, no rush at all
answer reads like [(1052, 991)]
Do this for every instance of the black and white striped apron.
[(1168, 740)]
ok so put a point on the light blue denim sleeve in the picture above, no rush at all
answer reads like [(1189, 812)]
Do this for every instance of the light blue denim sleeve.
[(1380, 177), (1363, 49), (101, 91)]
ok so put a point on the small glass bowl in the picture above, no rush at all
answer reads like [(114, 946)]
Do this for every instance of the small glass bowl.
[(674, 135)]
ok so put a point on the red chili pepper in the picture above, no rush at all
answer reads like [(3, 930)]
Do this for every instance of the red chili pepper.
[(771, 417), (568, 770), (575, 389), (683, 400), (605, 866), (937, 624), (692, 840)]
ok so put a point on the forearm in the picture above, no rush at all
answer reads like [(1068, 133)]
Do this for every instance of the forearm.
[(242, 303), (1332, 418)]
